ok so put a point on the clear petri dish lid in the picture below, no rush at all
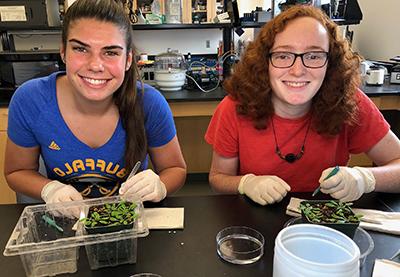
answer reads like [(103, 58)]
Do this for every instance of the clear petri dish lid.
[(240, 245), (361, 237)]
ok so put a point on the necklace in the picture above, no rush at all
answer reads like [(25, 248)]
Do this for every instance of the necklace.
[(291, 157)]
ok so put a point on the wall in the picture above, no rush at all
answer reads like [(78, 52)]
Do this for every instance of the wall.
[(154, 42), (377, 37)]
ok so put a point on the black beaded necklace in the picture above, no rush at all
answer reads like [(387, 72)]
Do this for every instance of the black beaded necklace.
[(291, 157)]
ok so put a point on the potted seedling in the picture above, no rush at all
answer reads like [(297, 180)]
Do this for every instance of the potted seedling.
[(106, 218), (110, 217), (335, 214)]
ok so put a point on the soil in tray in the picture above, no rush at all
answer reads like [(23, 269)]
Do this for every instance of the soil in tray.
[(43, 231)]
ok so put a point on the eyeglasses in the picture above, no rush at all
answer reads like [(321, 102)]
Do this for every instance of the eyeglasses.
[(315, 59)]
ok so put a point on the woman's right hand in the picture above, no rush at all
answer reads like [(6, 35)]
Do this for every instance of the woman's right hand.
[(146, 185), (263, 189)]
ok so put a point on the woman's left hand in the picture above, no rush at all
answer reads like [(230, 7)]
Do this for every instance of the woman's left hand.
[(348, 184), (145, 185)]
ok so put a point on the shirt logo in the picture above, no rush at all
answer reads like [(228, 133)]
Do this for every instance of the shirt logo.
[(54, 146)]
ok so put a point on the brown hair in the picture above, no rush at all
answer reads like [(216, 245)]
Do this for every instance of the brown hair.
[(128, 101), (335, 101)]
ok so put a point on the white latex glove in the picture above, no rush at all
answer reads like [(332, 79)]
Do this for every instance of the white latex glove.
[(146, 185), (55, 191), (348, 184), (263, 189)]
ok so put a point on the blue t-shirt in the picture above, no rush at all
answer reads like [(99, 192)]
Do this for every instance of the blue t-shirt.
[(35, 120)]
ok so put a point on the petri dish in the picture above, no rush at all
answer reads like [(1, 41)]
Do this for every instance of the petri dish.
[(361, 237), (240, 245), (364, 242)]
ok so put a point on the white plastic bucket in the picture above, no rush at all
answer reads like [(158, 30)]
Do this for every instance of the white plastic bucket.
[(312, 250)]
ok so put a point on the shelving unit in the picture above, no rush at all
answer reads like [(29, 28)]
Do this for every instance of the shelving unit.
[(180, 26), (189, 7)]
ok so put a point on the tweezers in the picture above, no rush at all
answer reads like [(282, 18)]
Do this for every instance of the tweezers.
[(333, 172)]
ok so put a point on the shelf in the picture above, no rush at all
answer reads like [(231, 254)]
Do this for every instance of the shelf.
[(30, 28), (248, 24), (7, 89), (24, 56), (180, 26), (346, 22), (27, 52), (33, 31)]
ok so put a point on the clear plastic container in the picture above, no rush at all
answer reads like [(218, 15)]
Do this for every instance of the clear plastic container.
[(240, 245), (173, 11), (170, 70), (47, 250)]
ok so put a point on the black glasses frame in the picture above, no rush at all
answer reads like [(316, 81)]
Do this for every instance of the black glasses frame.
[(301, 55)]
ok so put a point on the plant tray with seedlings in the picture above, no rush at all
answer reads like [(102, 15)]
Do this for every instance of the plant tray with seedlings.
[(110, 217), (335, 214)]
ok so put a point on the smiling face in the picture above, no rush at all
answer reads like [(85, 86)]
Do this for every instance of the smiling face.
[(294, 87), (96, 58)]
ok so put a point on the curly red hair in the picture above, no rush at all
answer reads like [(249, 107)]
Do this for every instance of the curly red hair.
[(335, 103)]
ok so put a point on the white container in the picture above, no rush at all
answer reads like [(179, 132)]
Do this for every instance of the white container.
[(170, 80), (313, 251), (375, 76)]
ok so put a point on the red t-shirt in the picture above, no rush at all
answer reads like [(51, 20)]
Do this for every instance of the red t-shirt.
[(232, 135)]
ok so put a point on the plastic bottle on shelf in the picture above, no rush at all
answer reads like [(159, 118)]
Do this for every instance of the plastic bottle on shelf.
[(173, 12), (220, 63)]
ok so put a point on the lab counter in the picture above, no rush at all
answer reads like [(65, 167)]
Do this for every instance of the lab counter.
[(192, 250), (386, 89)]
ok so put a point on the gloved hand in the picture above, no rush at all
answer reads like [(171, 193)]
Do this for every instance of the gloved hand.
[(348, 184), (55, 191), (263, 189), (146, 185)]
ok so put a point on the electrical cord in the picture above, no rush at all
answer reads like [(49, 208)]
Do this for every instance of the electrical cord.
[(201, 63), (203, 90), (227, 56), (221, 61)]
